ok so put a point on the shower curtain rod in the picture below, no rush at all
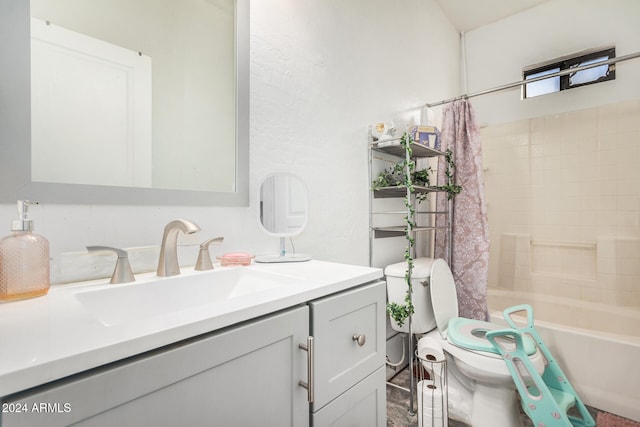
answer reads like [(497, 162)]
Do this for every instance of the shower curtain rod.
[(535, 79)]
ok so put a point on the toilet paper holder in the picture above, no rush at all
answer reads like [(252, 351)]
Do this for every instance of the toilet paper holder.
[(432, 390)]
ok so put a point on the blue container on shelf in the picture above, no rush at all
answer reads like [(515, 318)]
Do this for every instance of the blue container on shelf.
[(428, 136)]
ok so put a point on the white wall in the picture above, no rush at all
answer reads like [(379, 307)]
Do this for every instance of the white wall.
[(321, 72), (496, 54)]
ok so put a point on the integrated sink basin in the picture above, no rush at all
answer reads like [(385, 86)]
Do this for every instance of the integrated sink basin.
[(117, 304)]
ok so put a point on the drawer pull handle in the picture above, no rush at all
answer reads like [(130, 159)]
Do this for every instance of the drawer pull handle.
[(360, 339), (308, 347)]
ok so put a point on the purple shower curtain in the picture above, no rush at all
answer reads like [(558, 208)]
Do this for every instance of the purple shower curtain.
[(470, 251)]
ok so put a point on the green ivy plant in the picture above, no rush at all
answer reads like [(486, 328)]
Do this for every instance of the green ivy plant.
[(400, 312), (394, 176), (422, 177), (450, 187), (404, 173), (390, 177)]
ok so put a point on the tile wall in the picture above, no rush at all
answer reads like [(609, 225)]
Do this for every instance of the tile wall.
[(563, 194)]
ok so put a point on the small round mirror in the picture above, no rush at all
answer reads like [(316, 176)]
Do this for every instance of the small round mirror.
[(282, 202)]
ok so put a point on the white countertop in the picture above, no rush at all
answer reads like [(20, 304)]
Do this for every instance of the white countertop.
[(54, 336)]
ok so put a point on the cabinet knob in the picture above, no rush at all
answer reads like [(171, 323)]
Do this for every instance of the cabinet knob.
[(360, 339)]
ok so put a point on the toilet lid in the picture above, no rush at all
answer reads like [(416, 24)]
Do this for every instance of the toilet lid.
[(444, 297)]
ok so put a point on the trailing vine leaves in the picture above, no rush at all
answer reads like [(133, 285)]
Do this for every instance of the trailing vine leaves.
[(390, 177), (450, 187), (400, 312), (404, 173), (421, 177), (394, 176)]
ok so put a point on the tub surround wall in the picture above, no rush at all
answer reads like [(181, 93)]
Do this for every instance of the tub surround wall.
[(311, 104), (564, 208), (605, 302), (561, 170)]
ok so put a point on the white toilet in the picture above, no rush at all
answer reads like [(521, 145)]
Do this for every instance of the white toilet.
[(481, 390)]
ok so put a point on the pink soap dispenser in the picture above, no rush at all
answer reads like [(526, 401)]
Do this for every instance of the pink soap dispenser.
[(24, 260)]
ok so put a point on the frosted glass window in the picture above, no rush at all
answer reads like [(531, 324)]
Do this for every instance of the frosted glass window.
[(571, 80), (542, 87)]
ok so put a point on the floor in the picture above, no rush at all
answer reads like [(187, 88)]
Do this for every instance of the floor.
[(398, 406)]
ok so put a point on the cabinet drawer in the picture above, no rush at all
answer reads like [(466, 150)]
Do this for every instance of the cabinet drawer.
[(363, 405), (336, 323)]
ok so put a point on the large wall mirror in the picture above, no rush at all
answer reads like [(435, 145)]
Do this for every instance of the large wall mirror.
[(125, 101)]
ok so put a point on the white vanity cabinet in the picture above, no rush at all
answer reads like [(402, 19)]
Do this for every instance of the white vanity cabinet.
[(349, 370), (244, 375)]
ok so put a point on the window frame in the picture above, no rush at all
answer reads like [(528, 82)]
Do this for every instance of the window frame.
[(568, 62)]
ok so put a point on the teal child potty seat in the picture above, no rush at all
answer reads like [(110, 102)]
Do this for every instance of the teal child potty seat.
[(547, 398)]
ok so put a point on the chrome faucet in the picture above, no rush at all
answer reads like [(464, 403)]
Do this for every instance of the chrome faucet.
[(168, 262)]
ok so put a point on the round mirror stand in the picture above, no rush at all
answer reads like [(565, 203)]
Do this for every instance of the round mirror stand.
[(283, 256)]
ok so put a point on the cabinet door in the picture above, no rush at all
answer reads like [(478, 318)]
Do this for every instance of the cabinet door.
[(340, 360), (243, 376), (363, 405)]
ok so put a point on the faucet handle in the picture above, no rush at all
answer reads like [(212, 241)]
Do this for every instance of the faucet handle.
[(122, 273), (204, 259)]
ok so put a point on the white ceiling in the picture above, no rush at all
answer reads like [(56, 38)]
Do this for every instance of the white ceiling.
[(467, 15)]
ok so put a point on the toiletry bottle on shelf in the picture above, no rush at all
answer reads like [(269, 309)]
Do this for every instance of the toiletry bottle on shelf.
[(24, 260)]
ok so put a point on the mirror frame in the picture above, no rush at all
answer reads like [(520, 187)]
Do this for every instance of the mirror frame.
[(15, 128)]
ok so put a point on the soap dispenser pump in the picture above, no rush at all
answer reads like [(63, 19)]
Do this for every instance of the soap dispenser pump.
[(24, 259)]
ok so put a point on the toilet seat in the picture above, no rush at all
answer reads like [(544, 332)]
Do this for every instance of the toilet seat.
[(469, 334), (472, 334)]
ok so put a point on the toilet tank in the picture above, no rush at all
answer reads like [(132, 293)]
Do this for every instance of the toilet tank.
[(422, 320)]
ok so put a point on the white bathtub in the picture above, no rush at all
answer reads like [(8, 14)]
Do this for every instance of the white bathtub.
[(601, 362)]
